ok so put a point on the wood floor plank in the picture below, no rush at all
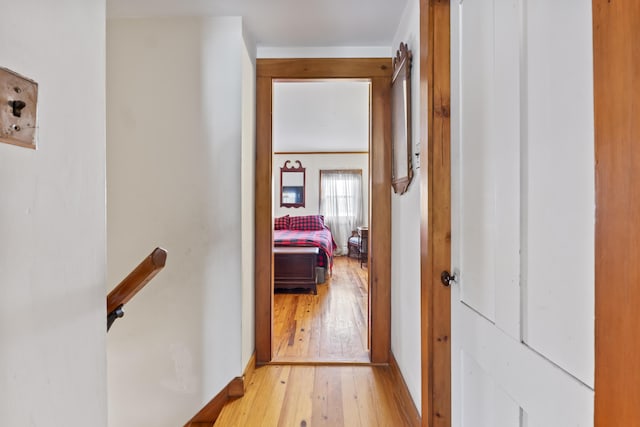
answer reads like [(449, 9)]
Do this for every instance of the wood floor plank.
[(389, 402), (327, 397), (350, 408), (303, 327), (366, 398), (315, 342), (297, 407), (274, 397), (331, 326)]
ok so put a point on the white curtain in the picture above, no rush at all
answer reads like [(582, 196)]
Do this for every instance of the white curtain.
[(341, 204)]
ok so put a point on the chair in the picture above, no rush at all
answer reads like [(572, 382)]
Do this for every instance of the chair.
[(363, 233), (353, 245)]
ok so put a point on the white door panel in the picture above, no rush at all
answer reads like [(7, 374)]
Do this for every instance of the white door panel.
[(478, 159), (545, 392), (560, 194), (513, 326), (507, 152), (490, 161), (484, 403)]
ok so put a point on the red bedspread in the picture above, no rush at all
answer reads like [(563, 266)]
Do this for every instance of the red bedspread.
[(322, 239)]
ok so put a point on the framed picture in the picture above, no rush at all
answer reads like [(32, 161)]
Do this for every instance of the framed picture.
[(402, 166)]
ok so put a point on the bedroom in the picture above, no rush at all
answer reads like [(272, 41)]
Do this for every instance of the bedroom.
[(320, 152)]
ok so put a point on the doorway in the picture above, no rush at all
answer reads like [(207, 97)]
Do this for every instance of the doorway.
[(321, 127), (378, 72)]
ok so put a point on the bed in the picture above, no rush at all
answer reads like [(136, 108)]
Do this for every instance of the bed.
[(305, 231)]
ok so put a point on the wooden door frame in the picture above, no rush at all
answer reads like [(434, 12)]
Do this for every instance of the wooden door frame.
[(435, 211), (617, 271), (378, 71)]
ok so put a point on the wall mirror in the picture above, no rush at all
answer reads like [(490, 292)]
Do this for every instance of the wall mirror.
[(292, 180), (401, 167)]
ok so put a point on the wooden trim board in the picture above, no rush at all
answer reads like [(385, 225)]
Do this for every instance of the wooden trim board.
[(249, 370), (617, 232), (263, 227), (379, 260), (378, 71), (236, 388), (404, 396), (435, 230), (318, 69), (320, 152), (210, 412)]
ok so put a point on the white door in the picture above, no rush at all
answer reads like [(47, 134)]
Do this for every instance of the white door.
[(522, 213)]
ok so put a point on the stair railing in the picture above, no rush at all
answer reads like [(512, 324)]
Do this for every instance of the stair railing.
[(133, 283)]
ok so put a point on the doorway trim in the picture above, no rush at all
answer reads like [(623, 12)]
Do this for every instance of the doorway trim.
[(617, 134), (435, 211), (378, 71)]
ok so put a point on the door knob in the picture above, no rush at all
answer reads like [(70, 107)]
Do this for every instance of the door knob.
[(447, 279)]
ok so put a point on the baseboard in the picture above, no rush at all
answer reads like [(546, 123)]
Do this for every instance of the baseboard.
[(408, 406), (249, 370), (236, 388), (209, 413)]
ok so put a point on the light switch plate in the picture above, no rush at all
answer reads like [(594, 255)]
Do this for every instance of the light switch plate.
[(18, 102)]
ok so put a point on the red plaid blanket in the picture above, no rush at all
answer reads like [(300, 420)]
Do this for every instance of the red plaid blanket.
[(319, 238)]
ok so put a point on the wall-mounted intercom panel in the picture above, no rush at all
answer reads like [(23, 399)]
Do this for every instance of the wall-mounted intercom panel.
[(18, 102)]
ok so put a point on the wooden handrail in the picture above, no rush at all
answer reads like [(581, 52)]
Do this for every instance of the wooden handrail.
[(137, 279)]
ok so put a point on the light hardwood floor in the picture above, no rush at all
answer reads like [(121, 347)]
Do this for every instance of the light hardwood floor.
[(296, 391), (328, 327), (312, 396)]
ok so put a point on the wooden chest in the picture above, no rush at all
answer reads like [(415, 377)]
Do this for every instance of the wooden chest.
[(295, 267)]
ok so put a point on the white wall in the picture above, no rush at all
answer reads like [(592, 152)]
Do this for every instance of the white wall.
[(405, 232), (176, 128), (52, 221), (321, 116), (248, 197), (313, 164)]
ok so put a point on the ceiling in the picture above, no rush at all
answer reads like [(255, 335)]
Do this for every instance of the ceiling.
[(286, 23)]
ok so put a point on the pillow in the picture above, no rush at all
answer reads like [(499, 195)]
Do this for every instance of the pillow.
[(307, 222), (281, 223)]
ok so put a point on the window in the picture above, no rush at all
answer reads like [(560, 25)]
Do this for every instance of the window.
[(341, 203)]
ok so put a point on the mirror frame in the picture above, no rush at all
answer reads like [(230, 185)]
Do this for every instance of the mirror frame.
[(289, 168), (401, 121)]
